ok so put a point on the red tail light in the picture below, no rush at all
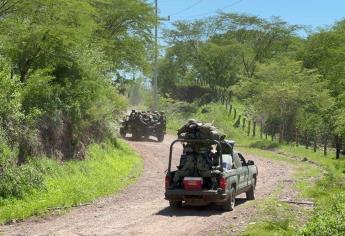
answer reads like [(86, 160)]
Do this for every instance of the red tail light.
[(167, 181), (222, 183)]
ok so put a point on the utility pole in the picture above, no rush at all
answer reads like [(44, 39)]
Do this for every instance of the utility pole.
[(155, 66)]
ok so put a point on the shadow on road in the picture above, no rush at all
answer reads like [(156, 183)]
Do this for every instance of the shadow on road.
[(147, 139), (202, 211)]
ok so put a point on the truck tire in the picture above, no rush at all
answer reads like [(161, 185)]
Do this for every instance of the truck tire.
[(122, 132), (135, 135), (175, 204), (160, 138), (250, 193), (230, 203)]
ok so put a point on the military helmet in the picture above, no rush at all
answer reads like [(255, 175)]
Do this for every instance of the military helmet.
[(192, 121)]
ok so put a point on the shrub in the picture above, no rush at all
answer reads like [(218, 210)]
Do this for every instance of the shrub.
[(264, 144), (16, 181), (174, 107), (329, 220)]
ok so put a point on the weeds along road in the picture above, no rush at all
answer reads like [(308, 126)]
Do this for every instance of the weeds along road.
[(142, 210)]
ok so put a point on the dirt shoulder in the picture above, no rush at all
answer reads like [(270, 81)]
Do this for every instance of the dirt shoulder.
[(142, 210)]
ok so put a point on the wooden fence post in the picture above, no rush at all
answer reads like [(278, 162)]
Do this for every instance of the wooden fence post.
[(238, 122), (254, 128), (337, 146), (248, 133), (244, 123), (325, 147), (235, 113)]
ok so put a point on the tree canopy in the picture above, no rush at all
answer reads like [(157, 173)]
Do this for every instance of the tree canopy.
[(294, 85), (59, 61)]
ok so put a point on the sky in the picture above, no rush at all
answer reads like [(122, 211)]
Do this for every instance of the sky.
[(313, 13)]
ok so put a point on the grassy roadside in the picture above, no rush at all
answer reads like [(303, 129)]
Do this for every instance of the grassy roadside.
[(107, 169), (321, 179)]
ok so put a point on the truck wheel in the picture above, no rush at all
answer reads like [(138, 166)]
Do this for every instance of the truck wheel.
[(175, 204), (122, 132), (250, 193), (160, 138), (230, 203), (135, 135)]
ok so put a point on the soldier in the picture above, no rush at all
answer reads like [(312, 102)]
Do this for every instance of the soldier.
[(196, 161), (161, 119), (132, 115), (189, 130), (155, 117)]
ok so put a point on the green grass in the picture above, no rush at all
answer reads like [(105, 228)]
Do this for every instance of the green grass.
[(273, 218), (107, 169), (326, 173)]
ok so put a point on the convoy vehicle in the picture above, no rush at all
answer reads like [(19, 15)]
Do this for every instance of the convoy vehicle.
[(144, 125), (229, 175)]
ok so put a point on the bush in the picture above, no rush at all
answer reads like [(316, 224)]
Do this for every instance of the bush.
[(329, 220), (16, 181), (194, 93), (108, 168), (264, 144), (171, 106)]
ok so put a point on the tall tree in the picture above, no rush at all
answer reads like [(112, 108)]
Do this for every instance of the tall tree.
[(65, 56)]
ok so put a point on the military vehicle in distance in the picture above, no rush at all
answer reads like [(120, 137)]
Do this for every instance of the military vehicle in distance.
[(210, 171), (144, 124)]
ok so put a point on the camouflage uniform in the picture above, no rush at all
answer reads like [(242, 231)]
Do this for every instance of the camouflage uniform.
[(200, 162)]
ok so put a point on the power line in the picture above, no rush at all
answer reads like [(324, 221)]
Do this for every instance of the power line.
[(187, 8), (219, 9)]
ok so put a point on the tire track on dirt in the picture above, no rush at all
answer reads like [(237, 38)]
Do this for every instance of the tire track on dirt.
[(141, 209)]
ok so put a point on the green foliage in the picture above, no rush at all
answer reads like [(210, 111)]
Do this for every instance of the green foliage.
[(329, 220), (264, 144), (219, 50), (218, 64), (173, 107), (10, 103), (324, 51), (275, 219), (18, 181), (176, 112), (278, 95), (327, 191), (270, 228), (107, 169), (59, 65), (291, 84)]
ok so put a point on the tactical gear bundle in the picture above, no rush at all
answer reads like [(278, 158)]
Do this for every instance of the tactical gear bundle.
[(198, 159), (142, 123), (197, 130)]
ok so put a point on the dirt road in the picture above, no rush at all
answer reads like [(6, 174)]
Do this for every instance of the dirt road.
[(142, 210)]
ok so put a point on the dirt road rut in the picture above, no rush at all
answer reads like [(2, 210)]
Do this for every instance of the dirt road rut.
[(142, 210)]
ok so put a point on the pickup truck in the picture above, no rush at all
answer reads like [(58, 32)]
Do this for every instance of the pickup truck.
[(229, 175)]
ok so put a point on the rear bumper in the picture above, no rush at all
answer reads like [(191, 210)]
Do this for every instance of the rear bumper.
[(196, 197)]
